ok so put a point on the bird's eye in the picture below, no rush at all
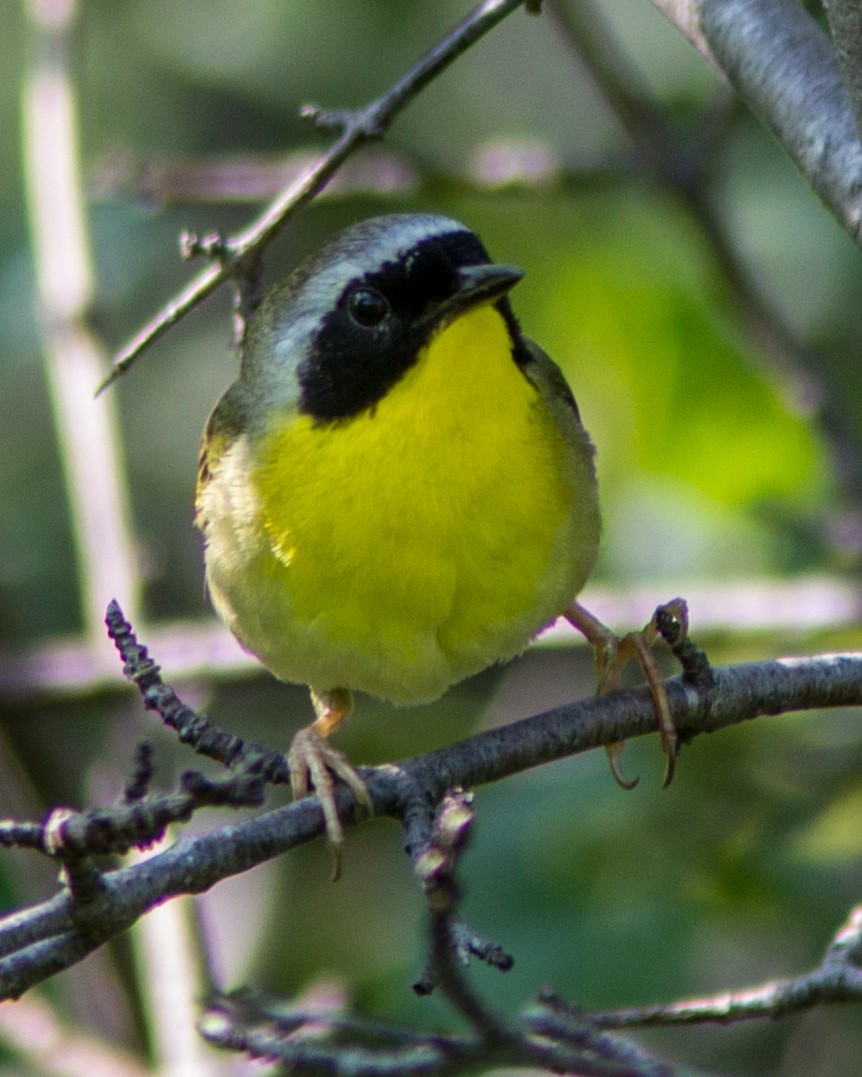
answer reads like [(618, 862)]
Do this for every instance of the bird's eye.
[(367, 307)]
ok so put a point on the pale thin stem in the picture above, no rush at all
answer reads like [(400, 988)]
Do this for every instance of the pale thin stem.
[(87, 430)]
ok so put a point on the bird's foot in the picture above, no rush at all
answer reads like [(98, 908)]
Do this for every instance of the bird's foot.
[(313, 764), (614, 652)]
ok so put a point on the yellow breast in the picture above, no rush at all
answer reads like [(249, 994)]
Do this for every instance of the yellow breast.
[(401, 550)]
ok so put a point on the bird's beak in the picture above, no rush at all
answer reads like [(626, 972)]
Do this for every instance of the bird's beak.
[(476, 284)]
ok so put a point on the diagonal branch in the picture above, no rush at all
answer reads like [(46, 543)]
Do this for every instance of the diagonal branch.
[(356, 128)]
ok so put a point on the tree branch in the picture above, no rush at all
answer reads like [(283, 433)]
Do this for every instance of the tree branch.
[(39, 941), (95, 906), (784, 67)]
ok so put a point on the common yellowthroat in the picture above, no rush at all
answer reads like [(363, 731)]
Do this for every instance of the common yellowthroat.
[(397, 491)]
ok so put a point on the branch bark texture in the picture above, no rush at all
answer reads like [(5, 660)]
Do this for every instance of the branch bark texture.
[(785, 68), (845, 22), (41, 940)]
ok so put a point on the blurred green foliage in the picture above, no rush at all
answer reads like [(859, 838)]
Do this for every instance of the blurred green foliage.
[(747, 865)]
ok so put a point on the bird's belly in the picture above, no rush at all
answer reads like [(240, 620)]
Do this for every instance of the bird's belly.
[(394, 601)]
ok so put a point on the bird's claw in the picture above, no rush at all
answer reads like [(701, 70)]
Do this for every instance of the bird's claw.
[(614, 652), (312, 762)]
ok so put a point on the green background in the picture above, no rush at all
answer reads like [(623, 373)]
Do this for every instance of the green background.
[(746, 866)]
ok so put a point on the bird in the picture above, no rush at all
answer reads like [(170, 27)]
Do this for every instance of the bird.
[(397, 490)]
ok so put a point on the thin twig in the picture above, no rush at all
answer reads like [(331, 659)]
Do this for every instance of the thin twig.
[(333, 1042), (447, 959), (191, 728), (838, 978)]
